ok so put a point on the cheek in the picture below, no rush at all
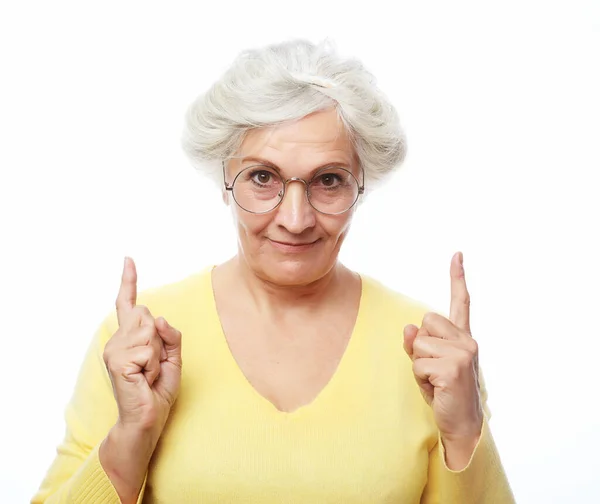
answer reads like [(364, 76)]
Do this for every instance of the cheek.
[(337, 227), (249, 225)]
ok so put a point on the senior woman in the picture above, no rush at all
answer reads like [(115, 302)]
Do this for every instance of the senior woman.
[(281, 375)]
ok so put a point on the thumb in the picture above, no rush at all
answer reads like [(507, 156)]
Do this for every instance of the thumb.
[(410, 333), (170, 336)]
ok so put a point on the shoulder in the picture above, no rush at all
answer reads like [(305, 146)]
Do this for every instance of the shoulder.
[(390, 304), (195, 284), (179, 299)]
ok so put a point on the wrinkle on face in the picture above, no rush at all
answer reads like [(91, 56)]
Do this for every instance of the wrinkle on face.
[(298, 149)]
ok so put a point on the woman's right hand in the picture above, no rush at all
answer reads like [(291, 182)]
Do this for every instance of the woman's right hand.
[(143, 359)]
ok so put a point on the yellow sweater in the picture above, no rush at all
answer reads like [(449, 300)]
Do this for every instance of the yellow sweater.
[(368, 437)]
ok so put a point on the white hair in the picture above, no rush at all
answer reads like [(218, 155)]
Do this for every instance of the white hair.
[(286, 82)]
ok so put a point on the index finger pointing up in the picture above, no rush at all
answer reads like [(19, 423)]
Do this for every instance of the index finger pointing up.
[(460, 300), (127, 297)]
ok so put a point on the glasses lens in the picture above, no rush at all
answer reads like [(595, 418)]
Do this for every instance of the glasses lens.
[(258, 189), (333, 191)]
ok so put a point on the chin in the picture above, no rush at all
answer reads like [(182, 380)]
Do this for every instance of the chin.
[(290, 272)]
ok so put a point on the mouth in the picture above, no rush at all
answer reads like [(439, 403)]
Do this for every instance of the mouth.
[(293, 246)]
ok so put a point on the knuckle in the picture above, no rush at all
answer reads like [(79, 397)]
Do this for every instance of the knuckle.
[(454, 373), (144, 315), (465, 360), (154, 338), (472, 346), (125, 335), (106, 356), (111, 366), (428, 318), (148, 329), (418, 342), (153, 351), (107, 352), (417, 366), (157, 346), (143, 336), (125, 319), (141, 310), (147, 352)]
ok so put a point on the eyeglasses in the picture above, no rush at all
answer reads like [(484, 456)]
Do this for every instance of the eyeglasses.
[(260, 189)]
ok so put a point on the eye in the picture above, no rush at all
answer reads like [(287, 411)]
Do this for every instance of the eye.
[(329, 179), (261, 177)]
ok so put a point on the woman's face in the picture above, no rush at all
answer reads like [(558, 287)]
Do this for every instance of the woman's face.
[(293, 244)]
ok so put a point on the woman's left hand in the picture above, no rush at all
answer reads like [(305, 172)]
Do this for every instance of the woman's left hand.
[(445, 365)]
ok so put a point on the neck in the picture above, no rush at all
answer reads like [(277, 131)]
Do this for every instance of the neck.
[(271, 298)]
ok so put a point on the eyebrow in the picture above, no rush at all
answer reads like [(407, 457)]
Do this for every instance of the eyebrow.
[(270, 164)]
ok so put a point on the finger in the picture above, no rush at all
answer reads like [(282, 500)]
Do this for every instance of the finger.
[(410, 333), (147, 336), (439, 372), (431, 347), (459, 295), (159, 324), (171, 339), (136, 362), (139, 336), (422, 372), (424, 369), (127, 296), (439, 326), (142, 316), (148, 358), (420, 331), (136, 317)]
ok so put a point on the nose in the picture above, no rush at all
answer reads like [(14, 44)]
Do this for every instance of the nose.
[(295, 212)]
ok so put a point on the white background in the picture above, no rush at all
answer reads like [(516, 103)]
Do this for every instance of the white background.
[(501, 105)]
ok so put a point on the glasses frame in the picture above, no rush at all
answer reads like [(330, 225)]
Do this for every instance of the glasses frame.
[(361, 187)]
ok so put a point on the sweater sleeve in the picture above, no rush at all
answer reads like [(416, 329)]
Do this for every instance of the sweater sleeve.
[(482, 481), (76, 475)]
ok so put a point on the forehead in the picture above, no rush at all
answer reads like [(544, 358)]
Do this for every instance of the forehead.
[(316, 139)]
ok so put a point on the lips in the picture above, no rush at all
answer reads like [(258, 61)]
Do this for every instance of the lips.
[(293, 244), (288, 247)]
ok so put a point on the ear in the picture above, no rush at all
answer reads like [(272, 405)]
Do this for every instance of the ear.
[(225, 196)]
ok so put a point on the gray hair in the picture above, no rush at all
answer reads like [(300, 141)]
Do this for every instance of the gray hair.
[(286, 82)]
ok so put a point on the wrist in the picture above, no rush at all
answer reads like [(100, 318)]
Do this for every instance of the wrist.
[(464, 444), (125, 455), (458, 453), (463, 431), (460, 446)]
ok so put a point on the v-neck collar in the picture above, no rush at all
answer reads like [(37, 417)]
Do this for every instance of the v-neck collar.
[(323, 399)]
